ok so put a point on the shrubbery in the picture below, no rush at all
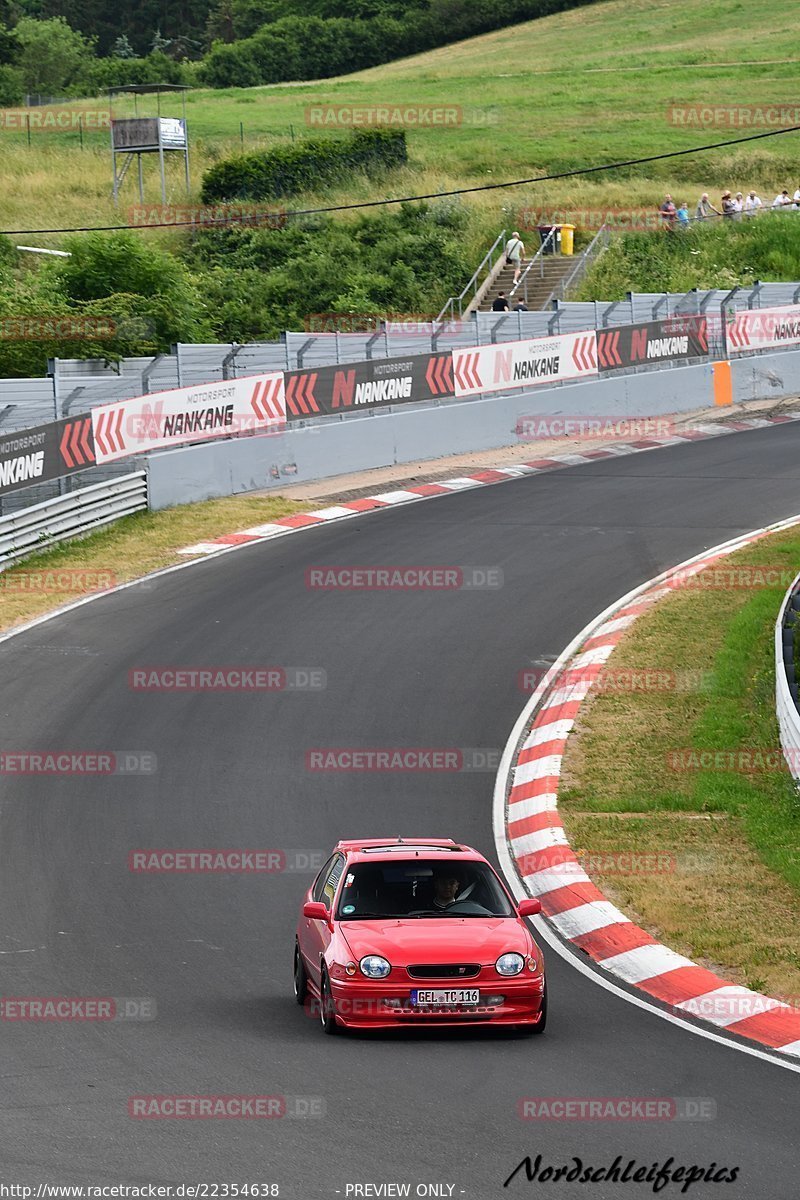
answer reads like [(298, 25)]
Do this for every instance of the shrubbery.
[(306, 166), (719, 254)]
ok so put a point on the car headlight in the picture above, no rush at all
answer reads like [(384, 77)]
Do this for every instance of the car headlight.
[(510, 964), (374, 967)]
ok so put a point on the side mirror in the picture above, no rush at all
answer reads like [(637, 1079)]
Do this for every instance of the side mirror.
[(530, 907), (315, 911)]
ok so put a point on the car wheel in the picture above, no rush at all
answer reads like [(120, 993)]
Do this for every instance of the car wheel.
[(300, 978), (539, 1027), (326, 1008)]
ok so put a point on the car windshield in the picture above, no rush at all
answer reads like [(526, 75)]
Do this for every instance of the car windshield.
[(420, 888)]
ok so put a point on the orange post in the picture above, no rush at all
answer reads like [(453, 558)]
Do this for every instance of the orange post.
[(723, 383)]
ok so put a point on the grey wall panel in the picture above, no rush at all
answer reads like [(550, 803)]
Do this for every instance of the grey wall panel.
[(775, 374), (405, 435)]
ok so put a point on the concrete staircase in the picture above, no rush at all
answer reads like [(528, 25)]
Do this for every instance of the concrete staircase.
[(554, 266)]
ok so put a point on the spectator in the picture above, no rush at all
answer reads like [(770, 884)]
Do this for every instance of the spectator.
[(515, 252), (520, 306), (727, 205), (782, 200), (500, 304), (705, 208), (683, 215), (797, 199), (752, 204), (668, 211), (738, 206)]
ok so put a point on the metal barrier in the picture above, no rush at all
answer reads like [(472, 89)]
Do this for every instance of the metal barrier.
[(786, 704), (484, 269), (598, 243), (41, 525)]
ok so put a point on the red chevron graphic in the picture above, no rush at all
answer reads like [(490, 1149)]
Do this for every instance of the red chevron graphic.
[(270, 399), (439, 375), (583, 352), (608, 348), (702, 332), (738, 330), (466, 371), (63, 447), (300, 398), (109, 431)]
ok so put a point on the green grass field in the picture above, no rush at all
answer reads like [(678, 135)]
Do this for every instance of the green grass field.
[(578, 88), (732, 833)]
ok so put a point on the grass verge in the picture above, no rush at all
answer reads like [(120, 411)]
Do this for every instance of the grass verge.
[(727, 891), (130, 548)]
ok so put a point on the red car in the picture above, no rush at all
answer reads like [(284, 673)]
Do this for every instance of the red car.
[(416, 932)]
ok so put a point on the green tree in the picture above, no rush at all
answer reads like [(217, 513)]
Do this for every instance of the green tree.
[(51, 54)]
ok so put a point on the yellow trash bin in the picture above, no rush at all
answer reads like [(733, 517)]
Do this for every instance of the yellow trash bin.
[(567, 239)]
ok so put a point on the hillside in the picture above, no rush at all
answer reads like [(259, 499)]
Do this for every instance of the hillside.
[(581, 87)]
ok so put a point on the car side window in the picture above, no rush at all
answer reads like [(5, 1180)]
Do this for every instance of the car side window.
[(332, 881), (320, 881)]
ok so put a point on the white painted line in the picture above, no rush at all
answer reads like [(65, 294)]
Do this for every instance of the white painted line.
[(398, 497), (332, 513)]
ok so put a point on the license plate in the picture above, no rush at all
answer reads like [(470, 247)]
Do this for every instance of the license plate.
[(445, 996)]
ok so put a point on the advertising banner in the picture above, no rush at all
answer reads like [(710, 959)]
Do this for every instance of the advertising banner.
[(499, 368), (373, 384), (45, 452), (671, 340), (764, 329), (191, 414)]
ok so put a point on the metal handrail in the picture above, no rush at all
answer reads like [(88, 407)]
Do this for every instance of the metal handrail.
[(459, 300), (598, 243), (538, 257)]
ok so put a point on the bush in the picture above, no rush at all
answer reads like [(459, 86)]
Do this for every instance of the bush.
[(305, 166)]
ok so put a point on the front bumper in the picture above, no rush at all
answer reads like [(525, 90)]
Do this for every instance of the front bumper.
[(361, 1004)]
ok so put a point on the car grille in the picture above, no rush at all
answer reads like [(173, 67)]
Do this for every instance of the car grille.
[(444, 970)]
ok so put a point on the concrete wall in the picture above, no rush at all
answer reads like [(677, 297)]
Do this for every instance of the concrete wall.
[(419, 431), (761, 376)]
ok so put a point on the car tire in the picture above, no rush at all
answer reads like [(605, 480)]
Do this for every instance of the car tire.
[(300, 977), (327, 1014), (539, 1027)]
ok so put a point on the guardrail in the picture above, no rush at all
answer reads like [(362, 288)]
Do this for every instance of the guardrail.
[(786, 695), (473, 284), (41, 525)]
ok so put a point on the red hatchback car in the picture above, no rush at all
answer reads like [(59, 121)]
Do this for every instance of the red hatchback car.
[(416, 932)]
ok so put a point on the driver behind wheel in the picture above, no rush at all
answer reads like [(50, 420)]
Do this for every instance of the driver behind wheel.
[(446, 886)]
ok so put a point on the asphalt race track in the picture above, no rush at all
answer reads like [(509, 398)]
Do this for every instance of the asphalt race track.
[(425, 669)]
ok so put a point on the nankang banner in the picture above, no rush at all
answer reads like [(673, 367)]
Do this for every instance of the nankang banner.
[(764, 329), (373, 384), (45, 452), (190, 414), (670, 341), (507, 365)]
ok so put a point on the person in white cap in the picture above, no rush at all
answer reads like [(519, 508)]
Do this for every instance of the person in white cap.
[(752, 204)]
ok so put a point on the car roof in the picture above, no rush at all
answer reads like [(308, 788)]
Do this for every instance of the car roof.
[(372, 849)]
